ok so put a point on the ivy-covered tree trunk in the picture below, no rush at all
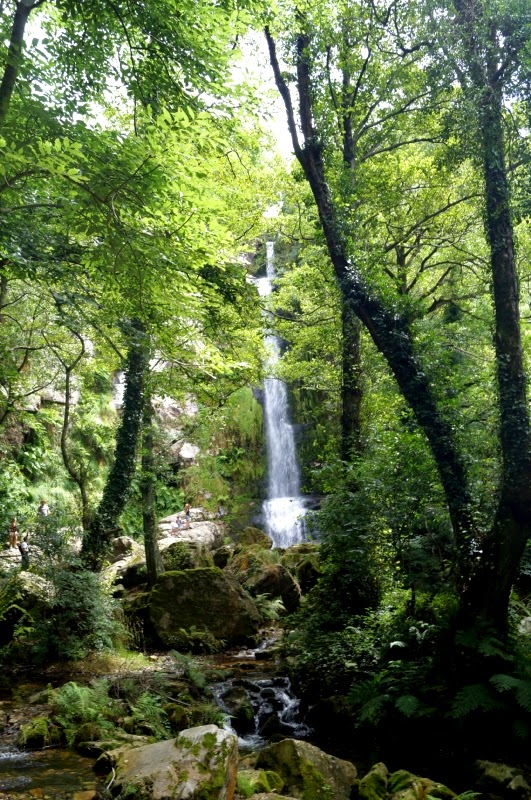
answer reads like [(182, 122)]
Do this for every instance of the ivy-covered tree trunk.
[(487, 596), (351, 394), (388, 330), (105, 522), (149, 519)]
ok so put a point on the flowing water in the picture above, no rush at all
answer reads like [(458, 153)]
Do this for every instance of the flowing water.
[(283, 509), (276, 710), (50, 773)]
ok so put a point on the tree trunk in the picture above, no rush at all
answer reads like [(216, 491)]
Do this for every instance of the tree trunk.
[(388, 330), (115, 493), (76, 474), (14, 56), (351, 394), (487, 597), (153, 559)]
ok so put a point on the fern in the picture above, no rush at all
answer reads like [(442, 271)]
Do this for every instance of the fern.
[(190, 669), (474, 697), (149, 713), (373, 709), (520, 687), (408, 704), (269, 608)]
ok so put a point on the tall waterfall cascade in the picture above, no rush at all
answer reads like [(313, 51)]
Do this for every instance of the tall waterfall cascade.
[(283, 510)]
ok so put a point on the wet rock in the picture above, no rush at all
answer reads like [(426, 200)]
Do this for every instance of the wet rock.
[(202, 599), (308, 771), (200, 763), (239, 706)]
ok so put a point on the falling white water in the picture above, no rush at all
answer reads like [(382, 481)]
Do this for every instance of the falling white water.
[(283, 510)]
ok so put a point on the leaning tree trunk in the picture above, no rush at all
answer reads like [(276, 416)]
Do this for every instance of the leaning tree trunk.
[(105, 522), (487, 597), (351, 394), (149, 519), (388, 330)]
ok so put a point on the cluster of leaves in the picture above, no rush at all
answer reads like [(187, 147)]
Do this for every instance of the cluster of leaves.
[(59, 610)]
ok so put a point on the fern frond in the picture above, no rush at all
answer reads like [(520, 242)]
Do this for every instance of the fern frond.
[(372, 710), (408, 704), (474, 697)]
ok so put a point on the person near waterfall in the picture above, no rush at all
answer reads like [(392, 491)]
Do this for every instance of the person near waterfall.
[(187, 510)]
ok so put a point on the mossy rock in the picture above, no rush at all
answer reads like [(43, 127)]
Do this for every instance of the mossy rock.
[(178, 716), (204, 599), (238, 703), (88, 732), (39, 733), (309, 773), (258, 781), (373, 786), (303, 561), (403, 785), (252, 536)]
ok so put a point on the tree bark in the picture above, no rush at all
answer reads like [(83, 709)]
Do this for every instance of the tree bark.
[(351, 394), (388, 330), (487, 598), (76, 474), (14, 55), (116, 491), (149, 520)]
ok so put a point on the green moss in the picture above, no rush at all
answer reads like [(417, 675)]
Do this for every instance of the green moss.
[(374, 785), (400, 780), (38, 733)]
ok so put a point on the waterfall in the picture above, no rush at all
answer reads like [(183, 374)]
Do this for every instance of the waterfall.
[(283, 510)]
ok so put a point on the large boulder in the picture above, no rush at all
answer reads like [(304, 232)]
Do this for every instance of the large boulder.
[(238, 704), (252, 536), (275, 581), (202, 599), (303, 561), (202, 535), (125, 547), (309, 772), (200, 763)]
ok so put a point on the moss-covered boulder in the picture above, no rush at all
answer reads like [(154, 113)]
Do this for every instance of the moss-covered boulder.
[(402, 785), (275, 581), (200, 764), (309, 773), (254, 536), (373, 786), (39, 733), (303, 561), (502, 779), (238, 703), (202, 599), (259, 571), (258, 780)]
